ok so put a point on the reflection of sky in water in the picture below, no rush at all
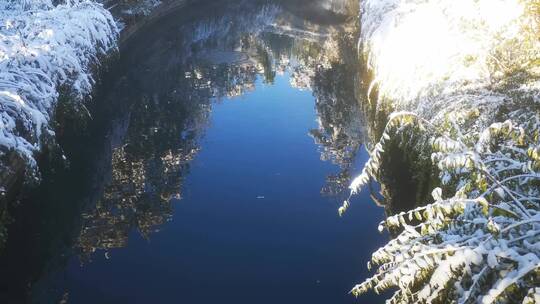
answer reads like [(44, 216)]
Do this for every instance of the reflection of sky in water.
[(252, 226)]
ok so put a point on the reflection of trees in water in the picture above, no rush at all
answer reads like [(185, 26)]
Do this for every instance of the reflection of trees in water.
[(144, 133), (225, 80), (339, 132), (146, 173), (149, 166), (326, 64), (220, 61)]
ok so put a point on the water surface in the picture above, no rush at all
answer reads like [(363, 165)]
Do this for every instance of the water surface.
[(212, 172)]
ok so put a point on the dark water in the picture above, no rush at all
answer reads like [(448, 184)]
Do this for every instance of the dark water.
[(220, 148)]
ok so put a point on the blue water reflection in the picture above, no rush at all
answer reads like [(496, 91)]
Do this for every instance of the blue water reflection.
[(252, 226)]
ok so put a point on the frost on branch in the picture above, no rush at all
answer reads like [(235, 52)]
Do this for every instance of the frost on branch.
[(480, 243), (43, 47), (467, 75)]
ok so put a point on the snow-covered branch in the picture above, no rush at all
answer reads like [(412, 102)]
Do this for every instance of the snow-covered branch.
[(44, 47), (466, 76)]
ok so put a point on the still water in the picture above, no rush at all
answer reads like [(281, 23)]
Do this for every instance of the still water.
[(220, 148)]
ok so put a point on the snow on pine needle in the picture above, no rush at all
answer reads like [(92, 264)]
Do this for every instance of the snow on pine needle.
[(42, 47), (466, 76)]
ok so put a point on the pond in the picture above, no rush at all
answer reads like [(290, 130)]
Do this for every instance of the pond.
[(219, 148)]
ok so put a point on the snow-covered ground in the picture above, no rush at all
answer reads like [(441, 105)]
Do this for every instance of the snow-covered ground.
[(45, 47)]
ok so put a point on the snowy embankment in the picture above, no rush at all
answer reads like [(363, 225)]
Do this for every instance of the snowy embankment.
[(45, 47), (464, 76)]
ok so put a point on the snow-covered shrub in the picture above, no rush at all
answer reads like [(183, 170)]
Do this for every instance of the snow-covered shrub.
[(481, 241), (466, 75), (44, 47)]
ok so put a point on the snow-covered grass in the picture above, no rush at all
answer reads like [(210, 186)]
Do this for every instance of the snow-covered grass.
[(44, 47), (466, 75)]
